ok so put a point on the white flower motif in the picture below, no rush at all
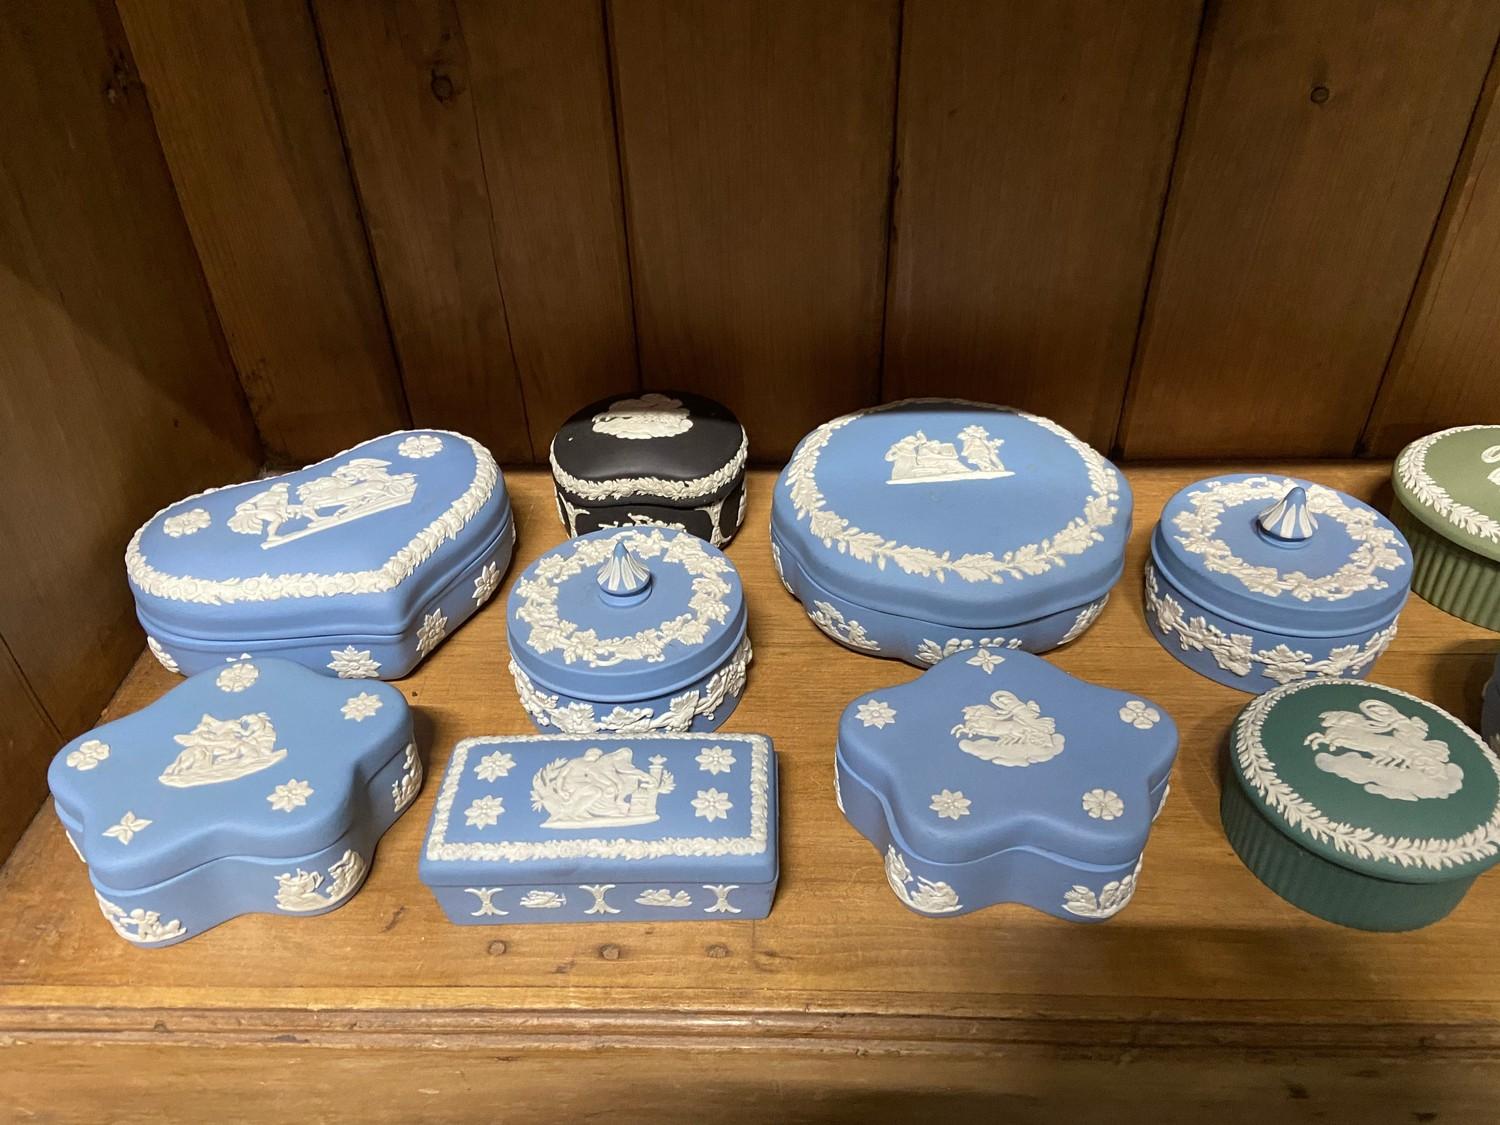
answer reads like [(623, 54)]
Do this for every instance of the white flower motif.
[(875, 713), (88, 755), (1140, 715), (434, 629), (292, 795), (420, 446), (710, 804), (237, 677), (125, 831), (485, 583), (492, 767), (161, 654), (484, 811), (353, 664), (985, 659), (1103, 804), (186, 523), (361, 707), (716, 759), (950, 803)]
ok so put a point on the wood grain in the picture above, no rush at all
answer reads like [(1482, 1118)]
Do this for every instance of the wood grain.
[(1208, 992), (756, 141), (539, 83), (1318, 144), (28, 739), (399, 73), (240, 102), (1443, 370), (1034, 145)]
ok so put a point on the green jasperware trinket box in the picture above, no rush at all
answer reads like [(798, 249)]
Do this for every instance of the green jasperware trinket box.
[(1361, 804), (1448, 504)]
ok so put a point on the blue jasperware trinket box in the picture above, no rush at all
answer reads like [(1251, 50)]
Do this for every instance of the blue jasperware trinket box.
[(628, 630), (357, 566), (926, 527), (647, 828), (1256, 581), (257, 787), (997, 777)]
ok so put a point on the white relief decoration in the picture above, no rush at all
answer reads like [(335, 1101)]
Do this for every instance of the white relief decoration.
[(755, 842), (1376, 548), (543, 900), (237, 677), (360, 707), (484, 811), (832, 622), (492, 767), (600, 790), (164, 657), (88, 755), (1086, 617), (918, 459), (664, 897), (987, 660), (487, 908), (1139, 714), (780, 573), (917, 892), (712, 805), (1110, 900), (1411, 471), (715, 513), (1433, 853), (930, 651), (598, 890), (640, 519), (640, 419), (1103, 804), (420, 446), (950, 804), (1491, 456), (186, 523), (1100, 507), (580, 718), (1162, 802), (301, 891), (220, 750), (486, 582), (568, 512), (639, 489), (270, 587), (1008, 731), (721, 898), (290, 795), (72, 843), (838, 791), (144, 927), (875, 713), (1235, 652), (354, 490), (739, 516), (405, 788), (1385, 752), (715, 759), (353, 664), (433, 629), (129, 825)]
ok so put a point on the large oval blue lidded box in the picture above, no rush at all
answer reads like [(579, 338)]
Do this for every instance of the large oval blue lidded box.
[(256, 787), (925, 527), (628, 630), (997, 777), (648, 828), (1256, 581), (357, 566)]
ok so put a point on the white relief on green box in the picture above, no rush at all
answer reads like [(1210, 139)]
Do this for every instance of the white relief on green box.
[(1386, 753)]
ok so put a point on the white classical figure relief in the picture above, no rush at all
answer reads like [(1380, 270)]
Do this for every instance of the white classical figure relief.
[(487, 908), (301, 891), (220, 750), (1008, 731), (350, 663), (359, 488), (918, 459), (88, 755), (650, 416), (186, 523), (543, 900), (850, 631), (664, 897), (163, 657), (144, 927), (404, 789), (599, 790), (598, 890), (1386, 753), (918, 893), (1491, 456), (1111, 899), (721, 904)]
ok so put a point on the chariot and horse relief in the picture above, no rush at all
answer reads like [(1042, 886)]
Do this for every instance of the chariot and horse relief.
[(1385, 752), (352, 491), (918, 459), (1008, 731), (599, 790)]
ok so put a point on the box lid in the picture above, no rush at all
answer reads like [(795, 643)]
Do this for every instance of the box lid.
[(1371, 779), (1283, 554), (1450, 481), (954, 513), (672, 447), (258, 758), (560, 808), (990, 750), (351, 545), (625, 613)]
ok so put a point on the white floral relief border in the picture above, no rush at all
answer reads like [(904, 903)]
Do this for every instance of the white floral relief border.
[(439, 849), (641, 489), (1433, 853), (267, 587), (1411, 471)]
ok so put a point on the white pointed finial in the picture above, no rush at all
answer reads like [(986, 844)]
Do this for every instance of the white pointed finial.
[(1289, 518), (623, 575)]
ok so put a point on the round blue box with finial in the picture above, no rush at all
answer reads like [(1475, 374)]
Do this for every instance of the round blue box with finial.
[(1256, 580)]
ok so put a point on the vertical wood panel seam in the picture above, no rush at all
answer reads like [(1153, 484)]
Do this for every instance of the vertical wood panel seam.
[(612, 76), (36, 702), (893, 189)]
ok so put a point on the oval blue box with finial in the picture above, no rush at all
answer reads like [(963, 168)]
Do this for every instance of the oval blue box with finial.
[(1257, 581), (628, 631)]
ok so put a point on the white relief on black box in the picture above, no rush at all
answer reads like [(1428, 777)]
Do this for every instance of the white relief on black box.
[(487, 908), (1385, 752), (350, 663), (359, 488), (918, 459), (918, 893), (664, 897), (721, 904), (599, 790), (404, 789), (1008, 731), (543, 900), (1111, 899), (650, 416), (220, 750), (144, 927), (598, 890), (301, 891)]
